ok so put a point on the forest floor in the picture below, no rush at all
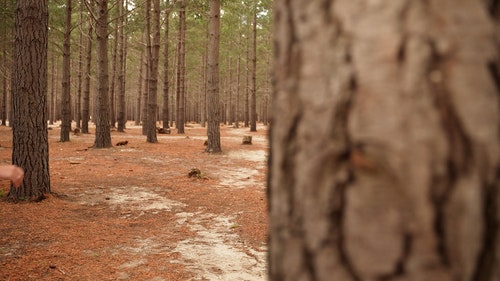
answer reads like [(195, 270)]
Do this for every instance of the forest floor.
[(132, 212)]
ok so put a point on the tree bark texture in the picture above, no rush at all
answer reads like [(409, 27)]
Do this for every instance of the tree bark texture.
[(247, 83), (124, 109), (66, 86), (253, 82), (87, 73), (203, 107), (78, 102), (237, 102), (122, 62), (166, 85), (153, 74), (384, 142), (144, 108), (103, 134), (29, 98), (51, 98), (213, 128), (3, 109), (181, 69), (114, 72), (140, 96)]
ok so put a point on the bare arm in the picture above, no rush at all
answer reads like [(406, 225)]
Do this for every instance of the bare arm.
[(13, 173)]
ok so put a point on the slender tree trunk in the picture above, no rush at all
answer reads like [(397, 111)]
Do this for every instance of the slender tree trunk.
[(87, 73), (53, 74), (103, 134), (5, 47), (173, 96), (154, 50), (144, 109), (247, 83), (238, 86), (165, 109), (230, 111), (213, 128), (265, 117), (204, 88), (78, 105), (121, 118), (4, 88), (384, 142), (30, 148), (66, 86), (181, 70), (138, 116), (112, 79), (253, 85)]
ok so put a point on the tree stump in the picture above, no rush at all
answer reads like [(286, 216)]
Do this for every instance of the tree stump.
[(247, 140), (194, 172)]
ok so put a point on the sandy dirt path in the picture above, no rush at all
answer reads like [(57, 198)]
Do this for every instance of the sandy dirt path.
[(132, 213)]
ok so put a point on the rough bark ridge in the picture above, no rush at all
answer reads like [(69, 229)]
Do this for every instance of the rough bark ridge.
[(384, 143), (29, 95)]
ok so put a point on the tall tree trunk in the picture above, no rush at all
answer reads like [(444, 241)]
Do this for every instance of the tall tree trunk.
[(265, 115), (138, 116), (5, 51), (3, 110), (66, 86), (121, 117), (87, 73), (53, 74), (384, 143), (246, 110), (103, 134), (204, 87), (30, 148), (213, 128), (144, 109), (181, 70), (154, 51), (78, 105), (112, 79), (238, 86), (165, 108), (253, 85), (173, 95), (230, 111)]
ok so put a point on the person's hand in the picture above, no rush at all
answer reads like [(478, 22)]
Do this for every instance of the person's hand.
[(13, 173), (17, 176)]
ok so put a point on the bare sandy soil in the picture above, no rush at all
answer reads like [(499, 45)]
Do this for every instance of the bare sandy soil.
[(132, 213)]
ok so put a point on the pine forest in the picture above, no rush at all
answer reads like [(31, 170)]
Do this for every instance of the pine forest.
[(178, 47)]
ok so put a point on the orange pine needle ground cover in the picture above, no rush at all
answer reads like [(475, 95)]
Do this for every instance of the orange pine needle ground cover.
[(132, 213)]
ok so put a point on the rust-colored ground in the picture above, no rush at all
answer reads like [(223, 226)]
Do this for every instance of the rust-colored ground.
[(132, 213)]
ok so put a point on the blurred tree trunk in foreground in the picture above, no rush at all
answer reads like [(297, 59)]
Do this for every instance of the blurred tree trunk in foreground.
[(384, 142)]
